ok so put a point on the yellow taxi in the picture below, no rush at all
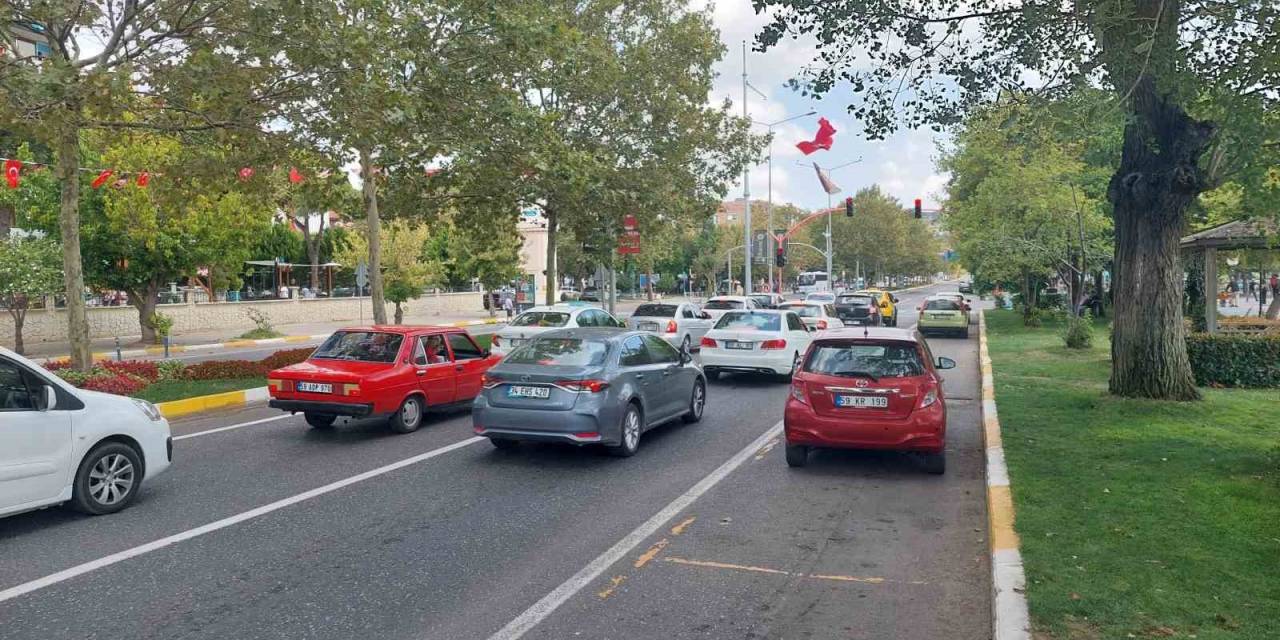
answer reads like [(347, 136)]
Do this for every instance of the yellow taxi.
[(887, 303)]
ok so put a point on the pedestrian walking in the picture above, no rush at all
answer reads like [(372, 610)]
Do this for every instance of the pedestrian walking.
[(1251, 292), (508, 303), (1275, 285)]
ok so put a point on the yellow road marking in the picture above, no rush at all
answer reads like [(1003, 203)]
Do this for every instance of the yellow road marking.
[(709, 564), (651, 553), (613, 584), (679, 529), (726, 565), (1000, 510), (767, 448)]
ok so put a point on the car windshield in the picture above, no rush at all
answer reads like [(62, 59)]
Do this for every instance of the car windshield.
[(541, 319), (366, 346), (944, 304), (805, 310), (656, 311), (566, 352), (762, 299), (861, 301), (888, 360), (723, 304), (750, 321)]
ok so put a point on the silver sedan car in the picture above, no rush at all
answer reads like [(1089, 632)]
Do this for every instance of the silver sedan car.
[(588, 386), (681, 324)]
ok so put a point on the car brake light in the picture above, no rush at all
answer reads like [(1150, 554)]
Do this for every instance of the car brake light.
[(349, 389), (797, 391), (708, 342), (822, 324), (583, 386), (671, 326), (489, 382), (587, 435), (930, 397), (284, 386), (773, 344), (495, 341)]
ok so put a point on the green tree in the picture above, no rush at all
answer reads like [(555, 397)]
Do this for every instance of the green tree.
[(29, 269), (406, 273), (1179, 71)]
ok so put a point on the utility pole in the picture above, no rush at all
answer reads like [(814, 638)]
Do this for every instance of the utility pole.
[(746, 188)]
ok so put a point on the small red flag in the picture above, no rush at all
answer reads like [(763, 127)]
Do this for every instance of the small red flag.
[(294, 175), (102, 178), (12, 169), (143, 179), (824, 138), (246, 173)]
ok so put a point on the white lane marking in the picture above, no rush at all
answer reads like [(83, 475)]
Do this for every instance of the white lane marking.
[(231, 427), (106, 561), (550, 602)]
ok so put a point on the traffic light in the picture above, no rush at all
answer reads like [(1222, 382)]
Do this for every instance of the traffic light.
[(919, 208), (781, 258), (848, 207)]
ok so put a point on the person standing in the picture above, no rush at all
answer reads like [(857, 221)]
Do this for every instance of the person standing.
[(1275, 285), (508, 303)]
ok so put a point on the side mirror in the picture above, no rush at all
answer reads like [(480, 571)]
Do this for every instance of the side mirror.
[(50, 398), (685, 356), (486, 353), (894, 299), (946, 363)]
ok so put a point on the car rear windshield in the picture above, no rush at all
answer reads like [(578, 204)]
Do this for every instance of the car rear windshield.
[(861, 301), (541, 319), (749, 321), (806, 310), (723, 304), (656, 311), (941, 305), (885, 360), (366, 346), (567, 352)]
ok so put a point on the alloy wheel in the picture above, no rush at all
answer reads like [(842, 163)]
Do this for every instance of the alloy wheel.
[(631, 430), (111, 479), (699, 400)]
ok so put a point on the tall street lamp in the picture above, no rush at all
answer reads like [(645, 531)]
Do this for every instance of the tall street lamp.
[(830, 276), (774, 285)]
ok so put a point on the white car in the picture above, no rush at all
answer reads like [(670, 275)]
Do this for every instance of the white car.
[(717, 306), (815, 315), (757, 340), (542, 319), (63, 444), (823, 297), (681, 324)]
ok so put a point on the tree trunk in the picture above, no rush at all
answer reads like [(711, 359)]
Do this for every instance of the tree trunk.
[(144, 300), (399, 314), (1273, 310), (370, 189), (1158, 178), (18, 310), (69, 231), (550, 212)]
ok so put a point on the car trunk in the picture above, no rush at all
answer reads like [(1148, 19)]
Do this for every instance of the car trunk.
[(751, 338), (900, 395), (656, 324), (538, 376), (325, 370), (511, 337), (942, 315), (853, 311)]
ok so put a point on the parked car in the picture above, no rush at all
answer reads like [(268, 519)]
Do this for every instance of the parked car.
[(755, 341), (857, 309), (392, 372), (887, 303), (943, 314), (589, 294), (823, 297), (62, 444), (543, 319), (569, 293), (589, 386), (817, 316), (682, 324), (868, 389), (717, 306), (767, 300), (966, 286)]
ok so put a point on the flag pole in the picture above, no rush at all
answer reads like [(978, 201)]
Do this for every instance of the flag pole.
[(746, 189)]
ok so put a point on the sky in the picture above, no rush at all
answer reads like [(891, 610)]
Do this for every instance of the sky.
[(902, 164)]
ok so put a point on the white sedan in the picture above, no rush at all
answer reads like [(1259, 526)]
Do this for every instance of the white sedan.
[(719, 305), (542, 319), (759, 341), (815, 315), (681, 324), (821, 297), (63, 444)]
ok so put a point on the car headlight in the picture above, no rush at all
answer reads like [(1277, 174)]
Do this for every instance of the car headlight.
[(150, 410)]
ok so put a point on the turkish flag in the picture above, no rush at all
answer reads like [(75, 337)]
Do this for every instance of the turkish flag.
[(826, 135), (102, 178), (12, 169), (294, 175), (143, 179)]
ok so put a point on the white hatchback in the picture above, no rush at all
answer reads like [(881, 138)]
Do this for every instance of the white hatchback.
[(755, 341), (542, 319), (818, 316), (63, 444), (719, 305)]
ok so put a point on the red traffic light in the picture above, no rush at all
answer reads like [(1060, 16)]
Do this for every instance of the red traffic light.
[(919, 208), (848, 207)]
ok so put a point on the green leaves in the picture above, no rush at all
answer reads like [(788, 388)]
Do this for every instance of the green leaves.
[(29, 268)]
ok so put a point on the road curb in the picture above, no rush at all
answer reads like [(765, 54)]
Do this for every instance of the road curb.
[(187, 406), (1009, 617)]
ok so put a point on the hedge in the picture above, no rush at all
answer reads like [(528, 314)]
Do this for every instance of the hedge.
[(1235, 360), (128, 377)]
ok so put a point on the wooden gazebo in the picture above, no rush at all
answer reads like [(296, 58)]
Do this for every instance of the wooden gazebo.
[(1239, 234)]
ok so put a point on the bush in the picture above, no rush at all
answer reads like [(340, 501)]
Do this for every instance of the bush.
[(222, 369), (148, 371), (1235, 360), (1077, 332), (285, 358), (162, 323), (122, 384), (171, 369)]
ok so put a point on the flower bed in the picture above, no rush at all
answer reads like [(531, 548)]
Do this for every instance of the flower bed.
[(131, 377)]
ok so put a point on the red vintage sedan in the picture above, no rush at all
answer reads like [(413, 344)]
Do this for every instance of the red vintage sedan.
[(868, 388), (395, 372)]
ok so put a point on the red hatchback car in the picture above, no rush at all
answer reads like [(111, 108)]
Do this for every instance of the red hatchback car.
[(873, 388), (382, 371)]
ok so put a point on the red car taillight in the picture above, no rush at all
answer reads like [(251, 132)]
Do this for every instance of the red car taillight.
[(671, 326), (583, 386), (822, 324), (797, 391), (708, 342), (347, 389), (929, 397), (283, 386), (773, 344), (487, 381)]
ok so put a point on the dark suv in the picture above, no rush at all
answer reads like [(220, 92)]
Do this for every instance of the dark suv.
[(857, 308)]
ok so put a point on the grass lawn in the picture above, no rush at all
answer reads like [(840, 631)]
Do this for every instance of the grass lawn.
[(167, 390), (1138, 519)]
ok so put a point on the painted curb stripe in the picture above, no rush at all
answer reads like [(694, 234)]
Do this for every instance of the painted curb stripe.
[(1009, 617), (197, 404)]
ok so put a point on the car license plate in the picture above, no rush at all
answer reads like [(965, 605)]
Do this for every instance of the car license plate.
[(518, 391), (862, 402), (315, 387), (734, 344), (647, 326), (940, 316)]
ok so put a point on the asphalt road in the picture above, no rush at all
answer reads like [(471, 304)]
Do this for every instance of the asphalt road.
[(271, 530)]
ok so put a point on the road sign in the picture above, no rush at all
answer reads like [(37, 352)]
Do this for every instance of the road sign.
[(760, 246), (362, 275), (629, 242)]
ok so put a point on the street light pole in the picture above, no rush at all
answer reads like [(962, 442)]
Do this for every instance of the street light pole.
[(830, 251), (772, 241), (746, 189)]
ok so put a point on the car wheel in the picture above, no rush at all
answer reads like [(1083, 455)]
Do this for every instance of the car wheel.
[(632, 424), (320, 420), (108, 479), (934, 463), (504, 443), (697, 402), (797, 455), (408, 417)]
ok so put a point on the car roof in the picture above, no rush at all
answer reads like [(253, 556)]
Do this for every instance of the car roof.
[(759, 311), (801, 303), (587, 333), (945, 296), (403, 329), (564, 307), (869, 333), (737, 298)]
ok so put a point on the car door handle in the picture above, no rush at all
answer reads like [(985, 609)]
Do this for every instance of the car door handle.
[(422, 372), (458, 367)]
